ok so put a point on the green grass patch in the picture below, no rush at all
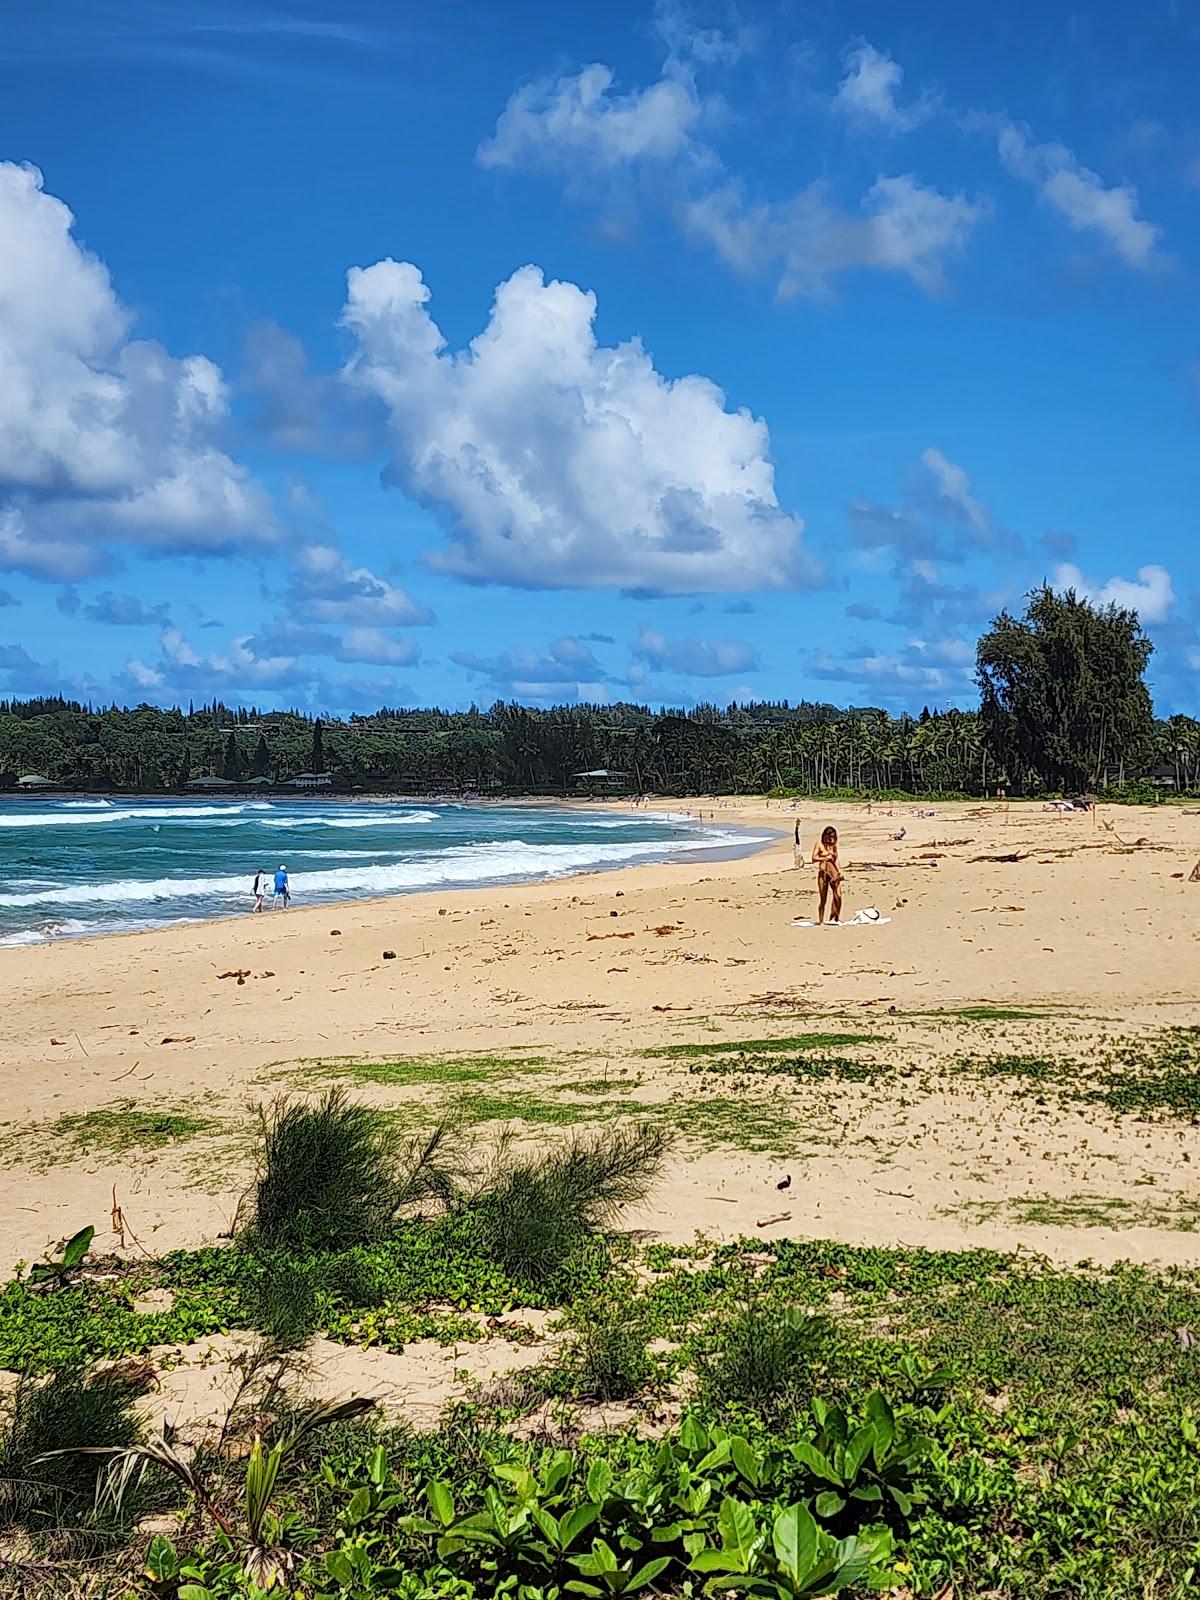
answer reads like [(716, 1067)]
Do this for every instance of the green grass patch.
[(814, 1069), (747, 1123), (599, 1086), (522, 1105), (1180, 1214), (1157, 1078), (1058, 1408), (409, 1072), (121, 1129), (797, 1042)]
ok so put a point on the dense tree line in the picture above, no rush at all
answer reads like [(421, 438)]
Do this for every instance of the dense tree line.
[(740, 748), (1064, 707)]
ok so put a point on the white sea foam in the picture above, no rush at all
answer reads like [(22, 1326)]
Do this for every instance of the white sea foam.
[(234, 815), (90, 819), (65, 928), (497, 862)]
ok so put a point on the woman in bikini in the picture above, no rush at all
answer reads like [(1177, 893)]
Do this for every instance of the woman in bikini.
[(829, 876)]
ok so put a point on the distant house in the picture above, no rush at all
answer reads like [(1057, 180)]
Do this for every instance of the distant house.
[(309, 780), (34, 780), (603, 775), (212, 783)]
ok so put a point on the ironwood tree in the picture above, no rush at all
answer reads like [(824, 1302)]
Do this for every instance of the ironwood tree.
[(1063, 696)]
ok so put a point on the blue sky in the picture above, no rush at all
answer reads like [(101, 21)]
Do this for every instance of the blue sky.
[(642, 351)]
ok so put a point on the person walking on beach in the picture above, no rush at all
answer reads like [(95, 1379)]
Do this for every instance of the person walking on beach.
[(829, 876), (282, 891), (260, 888)]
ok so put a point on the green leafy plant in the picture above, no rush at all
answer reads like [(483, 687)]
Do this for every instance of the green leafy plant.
[(266, 1552), (800, 1558), (869, 1465), (55, 1273)]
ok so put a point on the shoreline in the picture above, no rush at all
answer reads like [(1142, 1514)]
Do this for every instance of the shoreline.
[(685, 856)]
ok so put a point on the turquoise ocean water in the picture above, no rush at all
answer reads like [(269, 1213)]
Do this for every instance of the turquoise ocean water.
[(71, 866)]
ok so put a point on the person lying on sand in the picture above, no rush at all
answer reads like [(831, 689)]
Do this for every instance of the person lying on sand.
[(829, 876)]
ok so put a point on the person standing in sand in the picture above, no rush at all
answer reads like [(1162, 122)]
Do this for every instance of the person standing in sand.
[(829, 876), (282, 890), (260, 888)]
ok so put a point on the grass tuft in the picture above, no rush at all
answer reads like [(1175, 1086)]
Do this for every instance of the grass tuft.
[(534, 1215), (332, 1175), (68, 1411), (764, 1358)]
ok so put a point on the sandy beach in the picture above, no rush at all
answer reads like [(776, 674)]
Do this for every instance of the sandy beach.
[(562, 991)]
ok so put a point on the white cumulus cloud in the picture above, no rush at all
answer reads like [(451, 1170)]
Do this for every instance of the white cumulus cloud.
[(102, 436), (562, 123), (558, 462), (867, 93), (1151, 594)]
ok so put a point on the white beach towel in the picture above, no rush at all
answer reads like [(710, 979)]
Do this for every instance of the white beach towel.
[(866, 918)]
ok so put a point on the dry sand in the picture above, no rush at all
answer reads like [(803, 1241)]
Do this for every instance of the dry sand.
[(584, 974)]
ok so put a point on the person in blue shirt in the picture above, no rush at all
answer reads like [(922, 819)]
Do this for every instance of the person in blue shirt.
[(282, 892)]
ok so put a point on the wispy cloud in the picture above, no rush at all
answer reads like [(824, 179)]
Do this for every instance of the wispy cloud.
[(867, 95), (214, 38)]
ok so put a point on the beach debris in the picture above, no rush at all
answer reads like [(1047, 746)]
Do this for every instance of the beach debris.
[(785, 1183), (672, 1008), (1007, 855), (1194, 875), (335, 933), (389, 955), (779, 1216), (183, 1038), (240, 973), (665, 927), (632, 934)]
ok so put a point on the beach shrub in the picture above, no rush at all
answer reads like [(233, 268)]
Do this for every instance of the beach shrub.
[(764, 1358), (332, 1175), (534, 1215), (71, 1410), (607, 1358)]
